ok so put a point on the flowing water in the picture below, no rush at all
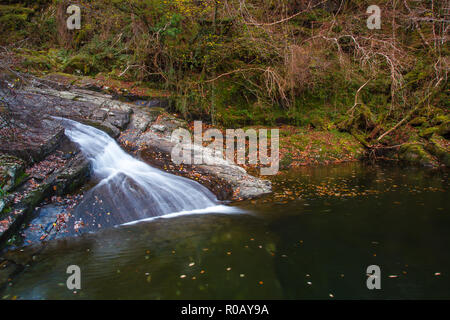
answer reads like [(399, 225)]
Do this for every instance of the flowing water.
[(312, 239), (129, 189)]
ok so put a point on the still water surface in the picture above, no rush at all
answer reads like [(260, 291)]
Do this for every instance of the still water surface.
[(312, 239)]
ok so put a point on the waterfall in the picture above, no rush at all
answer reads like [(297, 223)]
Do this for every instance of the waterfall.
[(128, 189)]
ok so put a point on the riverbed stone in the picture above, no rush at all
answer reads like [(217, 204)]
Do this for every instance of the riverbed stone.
[(39, 138), (146, 127), (415, 154), (438, 146), (225, 179), (11, 172)]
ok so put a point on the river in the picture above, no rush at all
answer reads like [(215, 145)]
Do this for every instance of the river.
[(312, 239)]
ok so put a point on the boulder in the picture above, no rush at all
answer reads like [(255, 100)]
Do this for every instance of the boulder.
[(11, 172), (415, 154), (439, 148)]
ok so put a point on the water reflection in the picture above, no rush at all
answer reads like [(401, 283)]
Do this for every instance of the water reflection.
[(312, 239)]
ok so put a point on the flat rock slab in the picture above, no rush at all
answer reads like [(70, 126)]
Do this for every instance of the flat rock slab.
[(225, 179), (145, 128)]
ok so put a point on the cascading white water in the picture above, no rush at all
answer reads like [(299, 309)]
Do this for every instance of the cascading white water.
[(131, 188)]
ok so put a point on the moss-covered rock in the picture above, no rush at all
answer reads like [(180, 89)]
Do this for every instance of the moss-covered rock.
[(415, 154), (104, 126), (11, 172), (81, 63), (428, 132), (39, 62), (441, 119), (14, 17), (416, 122), (362, 119), (438, 147), (444, 130)]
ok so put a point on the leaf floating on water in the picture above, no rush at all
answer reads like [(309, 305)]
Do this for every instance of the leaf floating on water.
[(191, 264), (437, 273), (393, 276), (182, 276)]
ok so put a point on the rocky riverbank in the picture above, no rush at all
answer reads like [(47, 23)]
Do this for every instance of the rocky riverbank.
[(37, 161)]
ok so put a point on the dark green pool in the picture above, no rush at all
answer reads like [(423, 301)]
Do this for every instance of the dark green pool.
[(312, 239)]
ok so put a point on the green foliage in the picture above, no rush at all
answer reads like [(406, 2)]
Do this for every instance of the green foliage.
[(14, 22), (227, 69)]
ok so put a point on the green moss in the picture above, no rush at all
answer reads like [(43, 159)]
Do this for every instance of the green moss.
[(440, 119), (418, 121), (428, 132), (362, 120), (414, 153), (81, 63), (436, 147), (11, 172), (444, 130), (38, 62), (37, 195), (14, 17)]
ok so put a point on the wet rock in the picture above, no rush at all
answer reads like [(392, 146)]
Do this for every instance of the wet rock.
[(225, 179), (415, 154), (441, 127), (7, 270), (155, 103), (438, 147), (416, 122), (141, 122), (36, 138), (244, 186), (78, 104), (11, 172), (105, 126), (141, 118), (444, 130), (428, 132), (104, 112), (159, 127), (73, 174)]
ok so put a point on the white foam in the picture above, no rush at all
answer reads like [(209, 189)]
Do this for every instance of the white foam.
[(213, 209)]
